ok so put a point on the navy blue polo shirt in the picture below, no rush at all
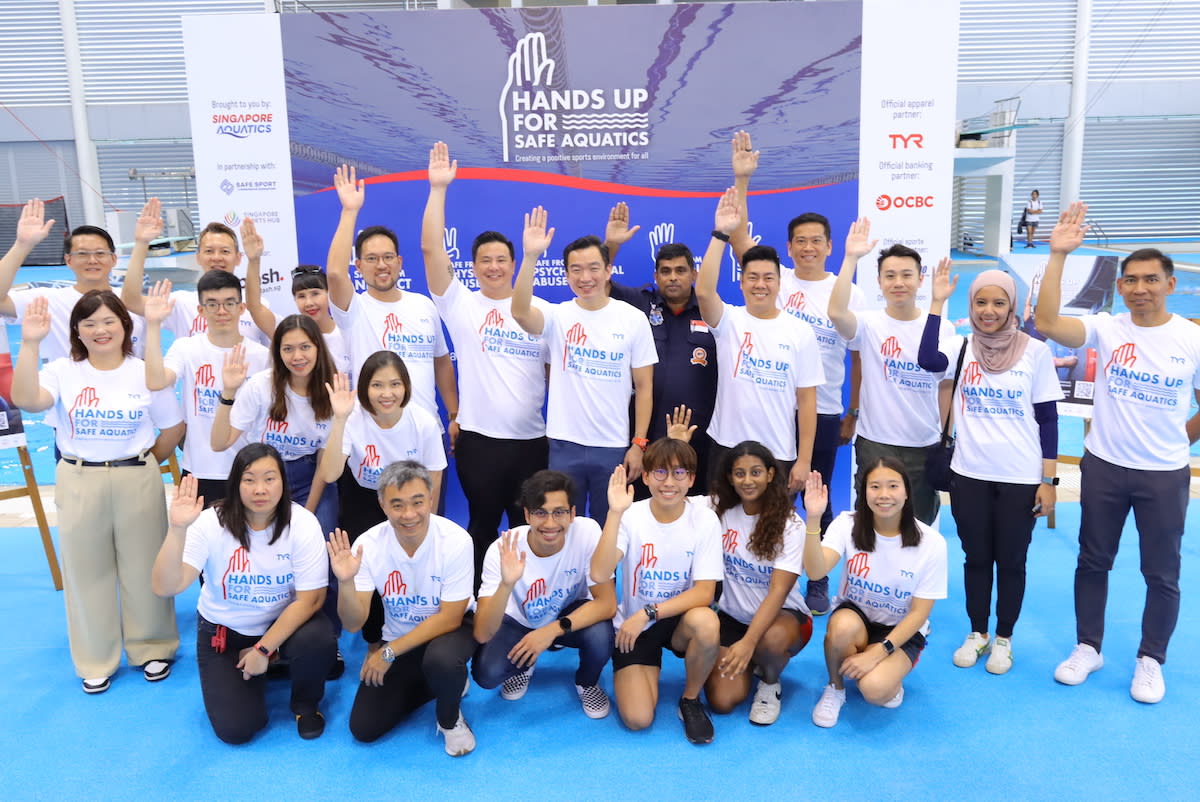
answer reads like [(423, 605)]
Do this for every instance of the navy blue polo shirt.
[(686, 372)]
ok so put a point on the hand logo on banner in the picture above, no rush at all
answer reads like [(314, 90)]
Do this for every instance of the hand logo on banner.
[(735, 268), (450, 240), (528, 66), (660, 235)]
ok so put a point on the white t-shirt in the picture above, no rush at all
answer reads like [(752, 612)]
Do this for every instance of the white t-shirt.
[(106, 414), (185, 319), (410, 327), (659, 561), (246, 590), (1036, 215), (763, 363), (592, 354), (882, 583), (1144, 390), (809, 302), (747, 577), (297, 435), (369, 448), (997, 436), (501, 368), (62, 302), (549, 583), (335, 341), (413, 588), (197, 363), (899, 399)]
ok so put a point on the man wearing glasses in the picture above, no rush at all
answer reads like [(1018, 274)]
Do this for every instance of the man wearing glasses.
[(91, 255), (537, 592), (217, 250), (385, 317)]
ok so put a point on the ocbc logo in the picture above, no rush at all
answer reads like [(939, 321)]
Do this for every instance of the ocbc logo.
[(885, 202)]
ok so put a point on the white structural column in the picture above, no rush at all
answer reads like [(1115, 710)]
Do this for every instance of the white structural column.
[(1073, 130), (85, 148)]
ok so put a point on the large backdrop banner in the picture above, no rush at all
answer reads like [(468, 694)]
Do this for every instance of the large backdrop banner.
[(573, 109)]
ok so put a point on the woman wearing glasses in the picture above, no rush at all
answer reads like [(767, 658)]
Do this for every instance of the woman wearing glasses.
[(111, 511), (366, 437)]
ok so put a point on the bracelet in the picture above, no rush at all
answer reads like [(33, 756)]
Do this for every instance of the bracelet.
[(721, 235), (640, 442), (852, 412), (811, 534), (226, 401), (263, 650)]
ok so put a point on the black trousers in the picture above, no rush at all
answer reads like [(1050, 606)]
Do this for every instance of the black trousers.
[(237, 707)]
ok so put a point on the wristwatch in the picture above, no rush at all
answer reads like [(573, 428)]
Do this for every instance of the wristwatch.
[(887, 646), (565, 623), (387, 655), (651, 611), (1050, 480)]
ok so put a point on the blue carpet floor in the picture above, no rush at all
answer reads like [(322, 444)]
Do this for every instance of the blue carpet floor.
[(960, 733)]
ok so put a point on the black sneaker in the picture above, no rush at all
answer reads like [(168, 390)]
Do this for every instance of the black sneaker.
[(310, 725), (697, 726), (338, 668), (817, 596)]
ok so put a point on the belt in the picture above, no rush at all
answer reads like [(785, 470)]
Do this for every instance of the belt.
[(112, 463)]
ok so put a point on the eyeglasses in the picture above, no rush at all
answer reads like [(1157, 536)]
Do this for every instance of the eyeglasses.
[(387, 259), (802, 241), (558, 515), (306, 270), (229, 305), (89, 256), (678, 474)]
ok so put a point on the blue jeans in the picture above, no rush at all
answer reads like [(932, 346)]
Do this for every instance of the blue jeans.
[(590, 468), (300, 474), (491, 665)]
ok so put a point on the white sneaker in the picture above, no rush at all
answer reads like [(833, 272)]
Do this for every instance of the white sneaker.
[(895, 701), (1148, 686), (459, 738), (1000, 660), (594, 700), (515, 686), (765, 707), (156, 670), (975, 646), (1075, 669), (829, 706)]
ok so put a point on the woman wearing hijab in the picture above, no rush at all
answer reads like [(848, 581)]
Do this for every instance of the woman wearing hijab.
[(1006, 454)]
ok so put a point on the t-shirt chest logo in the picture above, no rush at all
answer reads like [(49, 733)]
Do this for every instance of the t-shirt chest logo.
[(199, 325), (239, 563), (538, 588), (369, 468), (972, 374), (796, 302), (648, 559), (576, 336), (395, 585), (87, 399), (729, 540), (204, 389), (1123, 355), (494, 320), (859, 565)]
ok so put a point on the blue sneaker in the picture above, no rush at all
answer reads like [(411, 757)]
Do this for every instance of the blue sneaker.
[(817, 596)]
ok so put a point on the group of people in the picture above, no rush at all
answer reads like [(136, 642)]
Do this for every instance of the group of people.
[(654, 507)]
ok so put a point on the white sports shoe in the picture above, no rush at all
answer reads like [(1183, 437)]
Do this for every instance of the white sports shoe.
[(975, 646), (829, 706), (515, 686), (765, 707), (1000, 660), (895, 701), (1075, 669), (1148, 686), (459, 738)]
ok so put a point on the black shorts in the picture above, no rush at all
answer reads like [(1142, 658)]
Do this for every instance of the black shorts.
[(733, 630), (878, 632), (647, 649)]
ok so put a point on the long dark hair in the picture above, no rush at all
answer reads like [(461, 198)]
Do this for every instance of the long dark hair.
[(87, 306), (322, 372), (766, 541), (863, 532), (231, 512)]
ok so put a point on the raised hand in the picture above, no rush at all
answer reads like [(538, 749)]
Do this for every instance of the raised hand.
[(441, 169), (679, 424), (744, 156), (858, 240), (36, 323), (32, 228), (537, 237), (620, 492), (351, 191), (816, 496), (1068, 233), (512, 559), (943, 284), (149, 225), (159, 303), (233, 369), (252, 241), (341, 395), (728, 215), (617, 230), (344, 561), (186, 506)]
